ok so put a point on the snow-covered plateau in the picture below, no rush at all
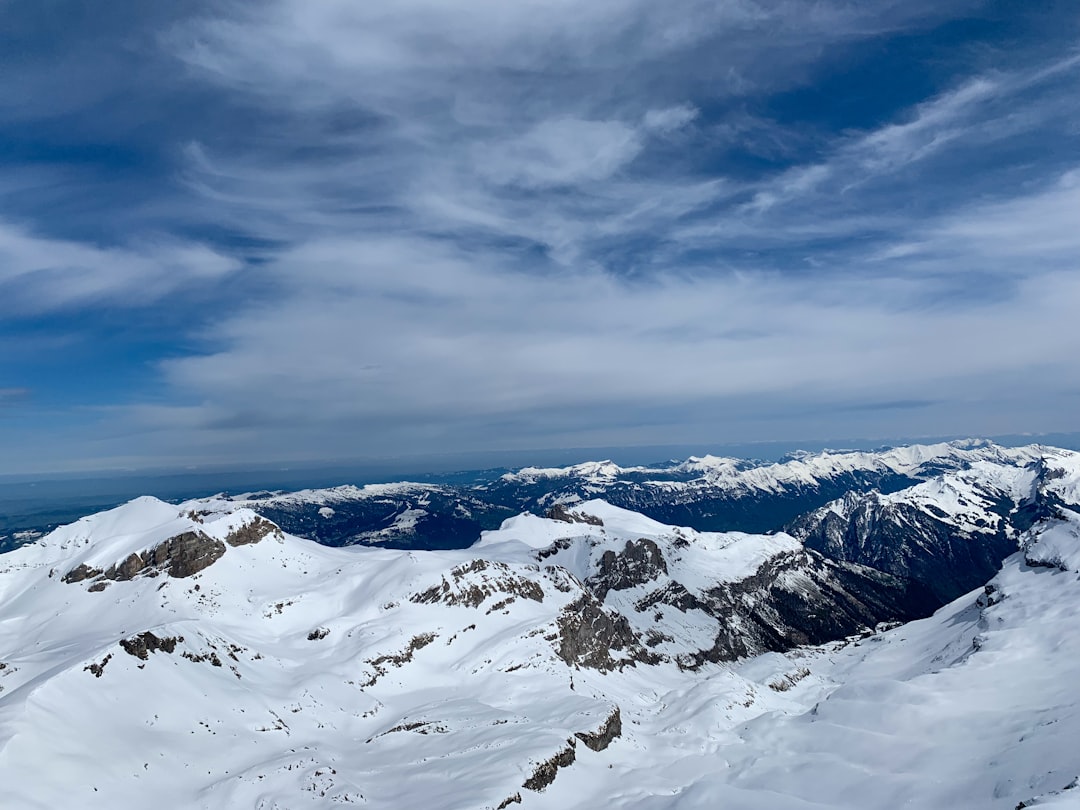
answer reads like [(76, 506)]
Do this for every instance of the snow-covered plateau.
[(196, 655)]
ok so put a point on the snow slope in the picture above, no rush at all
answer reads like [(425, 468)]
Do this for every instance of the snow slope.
[(975, 707), (195, 655)]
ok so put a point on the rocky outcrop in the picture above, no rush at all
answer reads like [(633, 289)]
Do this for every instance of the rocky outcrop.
[(187, 554), (381, 662), (143, 644), (547, 770), (560, 512), (474, 582), (251, 532), (97, 669), (913, 541), (588, 634), (601, 738), (639, 563), (81, 572), (181, 556)]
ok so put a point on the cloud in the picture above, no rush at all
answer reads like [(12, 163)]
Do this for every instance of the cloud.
[(442, 225), (383, 347), (533, 257), (560, 152), (40, 274), (1026, 236), (669, 119)]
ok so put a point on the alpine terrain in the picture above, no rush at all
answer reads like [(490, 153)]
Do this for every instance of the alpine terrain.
[(837, 630)]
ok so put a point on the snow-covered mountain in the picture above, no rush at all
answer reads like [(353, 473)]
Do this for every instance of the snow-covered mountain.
[(722, 494), (951, 532), (201, 656), (706, 493)]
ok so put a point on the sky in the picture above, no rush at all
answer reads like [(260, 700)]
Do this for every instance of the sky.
[(283, 231)]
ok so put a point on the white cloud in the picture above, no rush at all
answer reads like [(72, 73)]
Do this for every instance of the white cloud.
[(40, 274), (670, 119), (560, 152), (380, 346)]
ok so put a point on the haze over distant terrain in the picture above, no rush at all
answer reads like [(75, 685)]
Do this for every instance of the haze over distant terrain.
[(289, 232)]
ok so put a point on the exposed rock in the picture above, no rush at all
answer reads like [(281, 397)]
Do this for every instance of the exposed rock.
[(180, 556), (793, 599), (561, 544), (211, 656), (318, 633), (187, 554), (785, 682), (515, 799), (251, 532), (912, 541), (640, 562), (547, 770), (131, 566), (397, 659), (473, 582), (588, 634), (143, 644), (98, 668), (80, 572), (991, 595), (609, 730), (560, 512)]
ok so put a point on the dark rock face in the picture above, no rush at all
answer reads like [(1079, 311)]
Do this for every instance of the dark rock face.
[(547, 770), (187, 554), (181, 556), (588, 634), (609, 730), (560, 512), (251, 532), (97, 669), (639, 563), (793, 599), (544, 773), (143, 644), (81, 572), (912, 543)]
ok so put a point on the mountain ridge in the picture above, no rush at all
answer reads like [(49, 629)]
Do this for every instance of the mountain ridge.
[(212, 656)]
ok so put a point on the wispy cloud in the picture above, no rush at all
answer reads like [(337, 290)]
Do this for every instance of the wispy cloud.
[(477, 224), (40, 274)]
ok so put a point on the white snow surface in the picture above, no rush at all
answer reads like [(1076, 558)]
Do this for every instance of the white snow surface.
[(1056, 542), (806, 469), (597, 472), (355, 676), (331, 495)]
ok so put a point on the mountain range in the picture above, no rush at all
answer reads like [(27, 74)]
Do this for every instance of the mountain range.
[(854, 630)]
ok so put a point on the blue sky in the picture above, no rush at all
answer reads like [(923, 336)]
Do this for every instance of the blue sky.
[(239, 233)]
